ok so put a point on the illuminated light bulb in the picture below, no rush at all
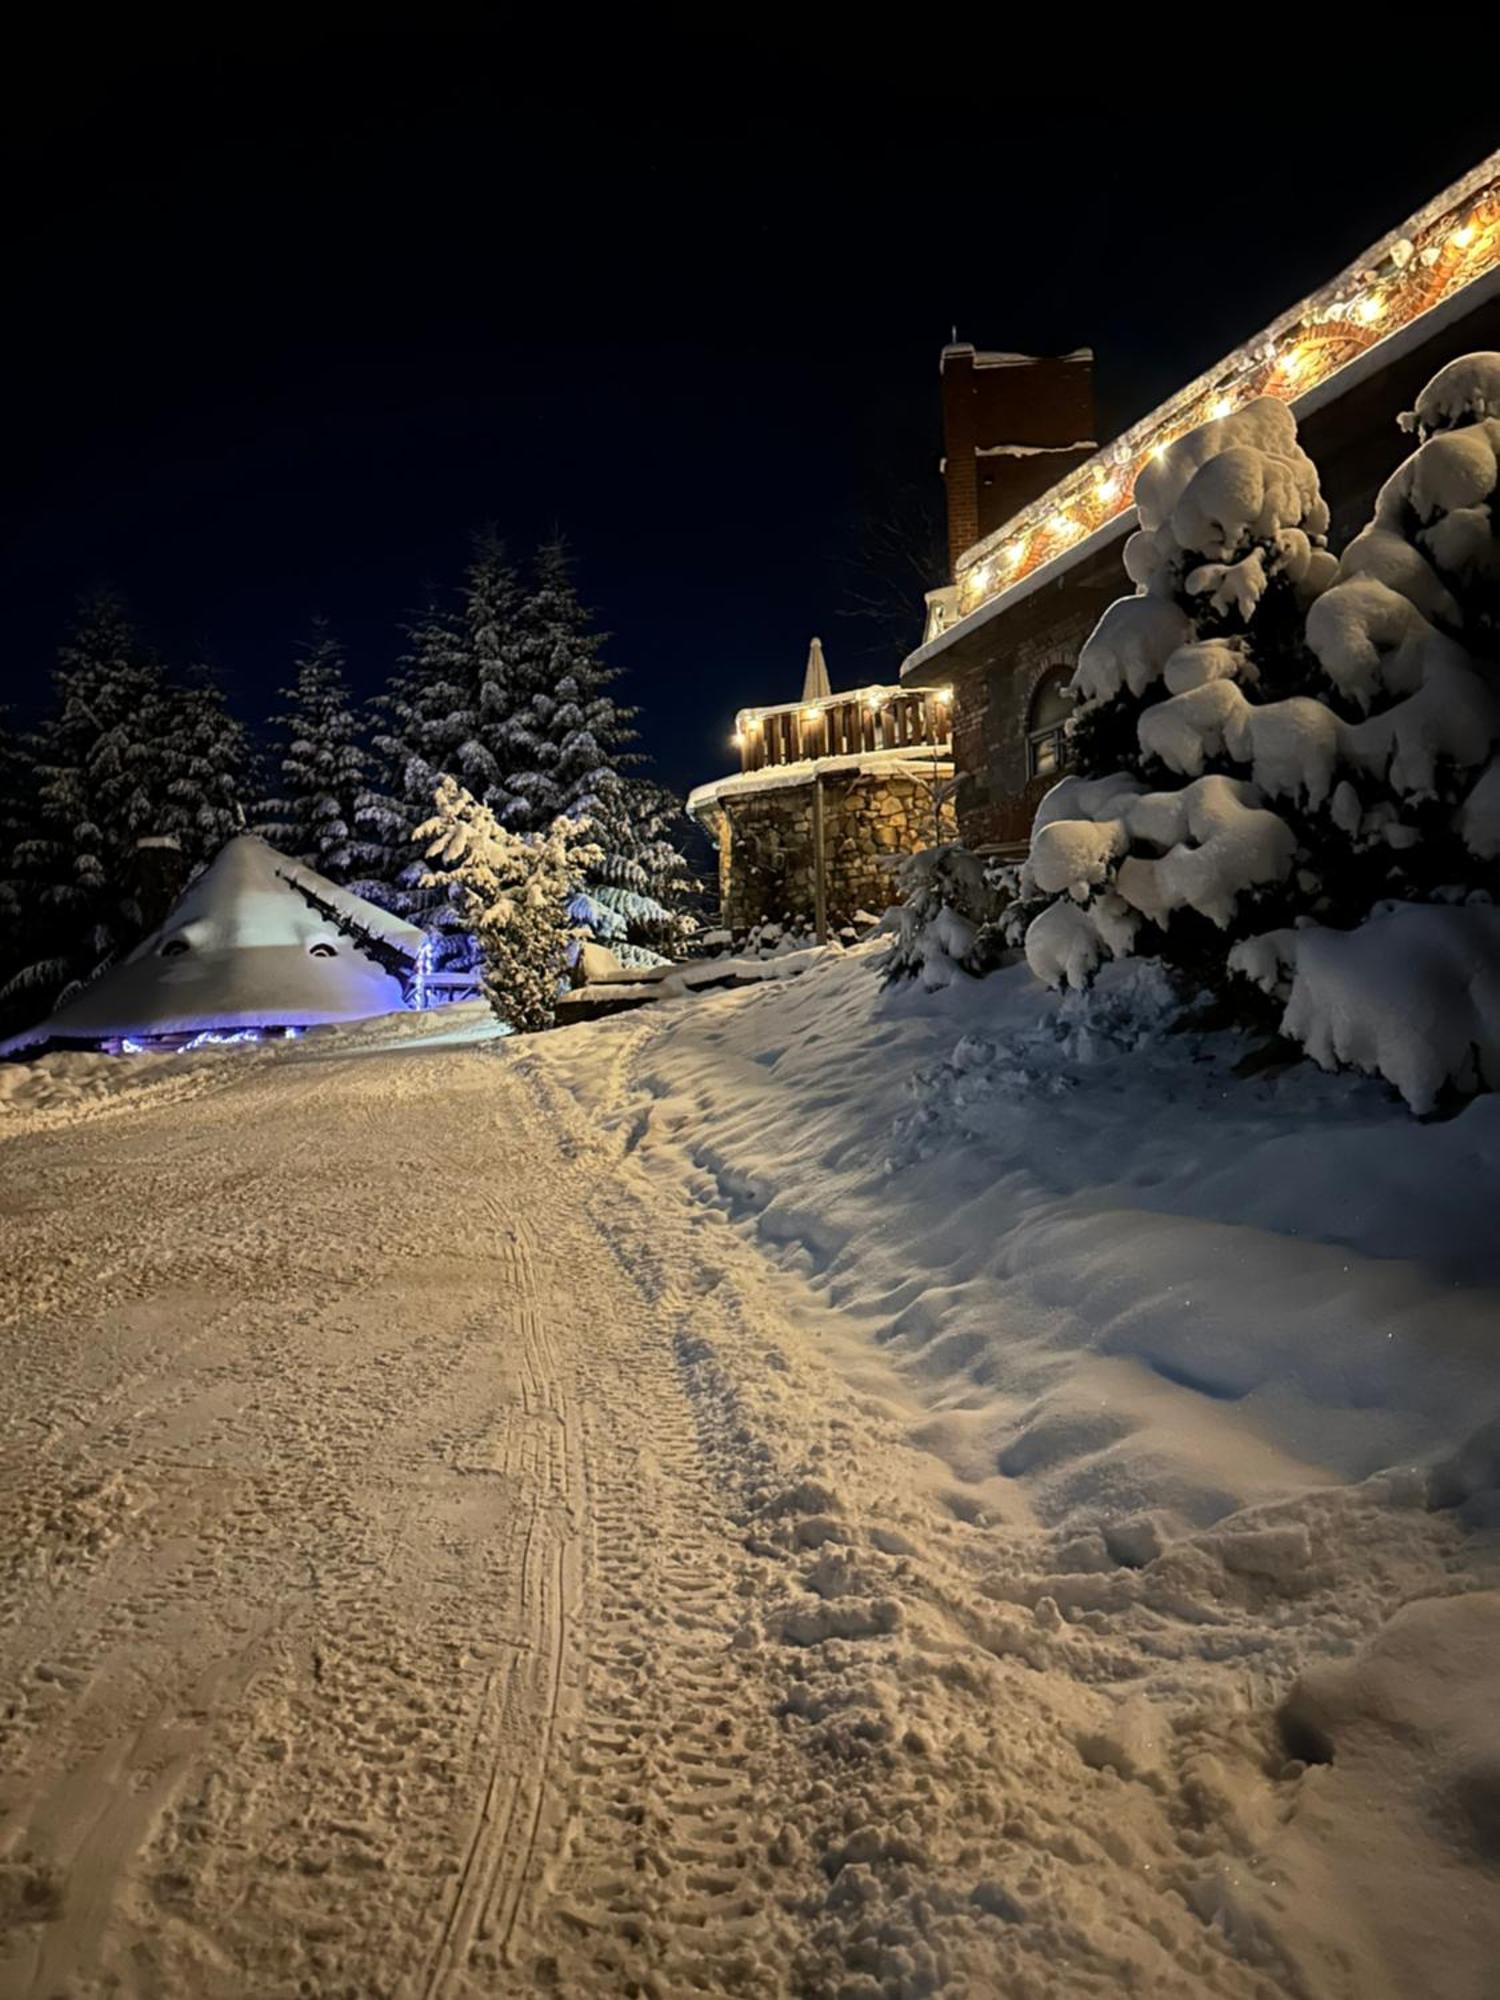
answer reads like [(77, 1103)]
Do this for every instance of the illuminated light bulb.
[(1369, 308), (1159, 450), (1222, 405), (979, 579), (1106, 486), (874, 703), (738, 739), (1061, 526), (944, 695), (1294, 361), (1014, 554), (811, 714), (1463, 236)]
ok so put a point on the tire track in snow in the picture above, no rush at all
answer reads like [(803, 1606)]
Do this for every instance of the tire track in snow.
[(500, 1861)]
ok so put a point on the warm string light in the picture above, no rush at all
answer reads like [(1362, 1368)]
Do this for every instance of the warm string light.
[(1437, 254)]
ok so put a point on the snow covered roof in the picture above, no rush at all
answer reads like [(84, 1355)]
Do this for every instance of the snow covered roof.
[(246, 947), (920, 758), (815, 683), (995, 357), (1440, 261)]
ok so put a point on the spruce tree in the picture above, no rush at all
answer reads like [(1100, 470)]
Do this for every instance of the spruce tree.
[(449, 712), (99, 793), (642, 892), (207, 768), (571, 737), (321, 770), (1203, 742), (17, 806)]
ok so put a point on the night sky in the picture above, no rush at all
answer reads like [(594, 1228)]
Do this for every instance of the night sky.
[(289, 318)]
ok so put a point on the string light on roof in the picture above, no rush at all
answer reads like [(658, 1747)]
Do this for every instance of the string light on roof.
[(1436, 254)]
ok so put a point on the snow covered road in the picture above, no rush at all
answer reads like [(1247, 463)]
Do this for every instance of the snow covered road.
[(337, 1442), (443, 1556)]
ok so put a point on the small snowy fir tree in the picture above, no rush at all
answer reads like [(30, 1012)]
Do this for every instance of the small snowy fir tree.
[(515, 893), (946, 918), (1400, 973), (320, 768), (1201, 744)]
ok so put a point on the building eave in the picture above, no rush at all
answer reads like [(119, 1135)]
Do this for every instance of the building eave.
[(1457, 232)]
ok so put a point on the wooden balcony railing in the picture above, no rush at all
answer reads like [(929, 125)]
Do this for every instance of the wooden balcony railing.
[(843, 725)]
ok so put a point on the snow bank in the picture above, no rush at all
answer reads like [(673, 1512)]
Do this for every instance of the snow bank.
[(1064, 1223)]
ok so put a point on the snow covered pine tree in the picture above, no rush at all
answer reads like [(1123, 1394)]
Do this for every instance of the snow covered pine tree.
[(1401, 973), (570, 735), (572, 738), (450, 711), (639, 896), (126, 764), (320, 767), (946, 915), (1196, 704), (17, 806), (514, 892)]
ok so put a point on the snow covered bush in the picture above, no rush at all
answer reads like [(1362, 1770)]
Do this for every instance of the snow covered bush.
[(946, 919), (1200, 744), (1409, 639), (515, 893)]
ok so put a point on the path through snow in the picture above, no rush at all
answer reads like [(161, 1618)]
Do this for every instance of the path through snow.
[(442, 1558)]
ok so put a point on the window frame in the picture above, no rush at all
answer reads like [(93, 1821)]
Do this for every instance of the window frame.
[(1053, 735)]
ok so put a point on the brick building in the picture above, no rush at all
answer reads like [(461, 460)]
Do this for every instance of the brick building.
[(1005, 632)]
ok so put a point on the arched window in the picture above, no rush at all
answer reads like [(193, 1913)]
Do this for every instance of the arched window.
[(322, 949), (1051, 705), (175, 947)]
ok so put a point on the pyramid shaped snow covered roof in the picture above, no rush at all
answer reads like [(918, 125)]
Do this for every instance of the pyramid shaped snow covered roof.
[(246, 946)]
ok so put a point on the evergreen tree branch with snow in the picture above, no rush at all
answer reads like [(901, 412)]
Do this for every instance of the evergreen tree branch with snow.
[(515, 894)]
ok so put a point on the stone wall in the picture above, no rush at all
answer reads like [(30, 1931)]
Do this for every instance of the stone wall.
[(765, 845)]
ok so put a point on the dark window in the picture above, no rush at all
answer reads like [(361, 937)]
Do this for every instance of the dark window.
[(175, 947), (1046, 739), (322, 951)]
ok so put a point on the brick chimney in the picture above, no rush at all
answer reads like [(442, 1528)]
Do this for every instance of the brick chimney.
[(1013, 424)]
